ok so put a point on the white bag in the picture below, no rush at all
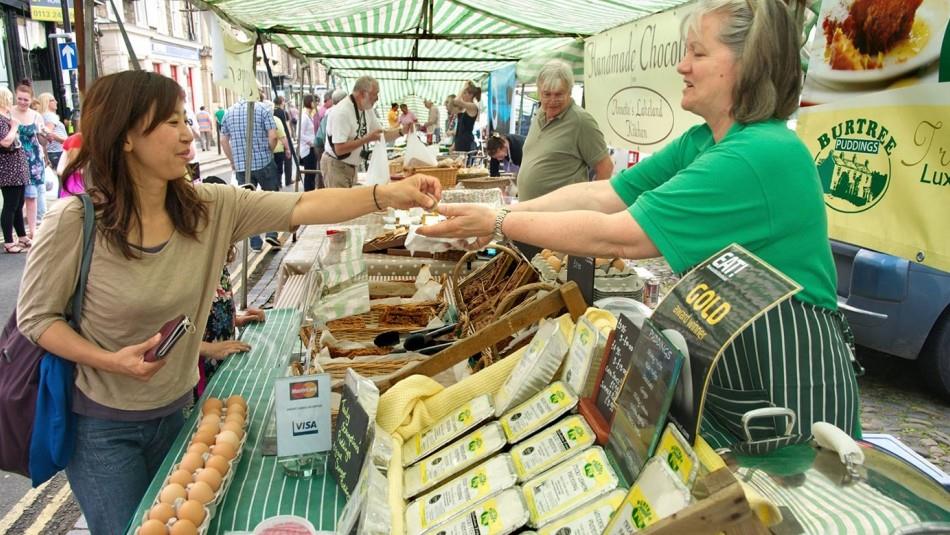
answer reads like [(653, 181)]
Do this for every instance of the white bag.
[(417, 154), (378, 171)]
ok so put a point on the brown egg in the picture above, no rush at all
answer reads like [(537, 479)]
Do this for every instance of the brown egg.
[(211, 405), (181, 476), (172, 492), (191, 462), (227, 437), (192, 511), (618, 264), (210, 419), (201, 491), (161, 512), (225, 450), (183, 527), (219, 463), (209, 428), (199, 447), (601, 262), (235, 428), (204, 436), (235, 417), (153, 527), (210, 476), (236, 409), (236, 399)]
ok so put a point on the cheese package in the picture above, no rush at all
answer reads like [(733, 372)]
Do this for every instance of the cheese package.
[(502, 514), (555, 444), (540, 410), (679, 455), (590, 519), (467, 451), (577, 364), (538, 364), (489, 478), (454, 425), (582, 478), (657, 494)]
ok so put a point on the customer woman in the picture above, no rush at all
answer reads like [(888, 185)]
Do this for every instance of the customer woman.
[(31, 131), (308, 154), (13, 177), (742, 177), (467, 103), (54, 127), (160, 245)]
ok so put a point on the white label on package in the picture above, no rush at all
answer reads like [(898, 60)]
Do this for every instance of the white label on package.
[(538, 411), (564, 487), (579, 357), (501, 515), (552, 446), (464, 452), (591, 519), (442, 432), (464, 491)]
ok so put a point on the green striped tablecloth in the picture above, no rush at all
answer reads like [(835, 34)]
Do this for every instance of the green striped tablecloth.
[(259, 489)]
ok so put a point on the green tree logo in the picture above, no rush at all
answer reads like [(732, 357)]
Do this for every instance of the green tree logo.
[(475, 444), (557, 397), (489, 516), (675, 458), (465, 416), (478, 481), (575, 433), (640, 514), (593, 469)]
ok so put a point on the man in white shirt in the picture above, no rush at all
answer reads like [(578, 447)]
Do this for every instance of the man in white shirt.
[(431, 126), (351, 126)]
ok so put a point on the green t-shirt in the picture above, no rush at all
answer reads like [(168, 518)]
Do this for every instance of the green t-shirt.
[(758, 187), (559, 151), (219, 115)]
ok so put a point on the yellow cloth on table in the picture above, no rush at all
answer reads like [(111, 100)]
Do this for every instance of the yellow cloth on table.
[(418, 401)]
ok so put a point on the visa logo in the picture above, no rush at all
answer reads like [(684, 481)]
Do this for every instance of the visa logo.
[(306, 427)]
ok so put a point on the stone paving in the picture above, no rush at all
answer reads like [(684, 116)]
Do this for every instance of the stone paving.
[(893, 397)]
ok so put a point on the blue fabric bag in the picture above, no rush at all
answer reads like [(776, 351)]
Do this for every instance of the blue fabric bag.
[(54, 424)]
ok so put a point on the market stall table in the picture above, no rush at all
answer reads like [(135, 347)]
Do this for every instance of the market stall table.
[(260, 489)]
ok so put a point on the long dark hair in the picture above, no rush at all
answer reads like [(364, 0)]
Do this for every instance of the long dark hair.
[(113, 106)]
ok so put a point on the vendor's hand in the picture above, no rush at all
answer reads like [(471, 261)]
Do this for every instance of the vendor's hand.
[(223, 350), (373, 136), (130, 360), (414, 190), (464, 221), (251, 315)]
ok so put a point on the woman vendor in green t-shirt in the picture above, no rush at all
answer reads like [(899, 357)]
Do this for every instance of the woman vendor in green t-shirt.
[(742, 177)]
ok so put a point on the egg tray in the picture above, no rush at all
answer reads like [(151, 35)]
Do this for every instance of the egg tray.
[(212, 507)]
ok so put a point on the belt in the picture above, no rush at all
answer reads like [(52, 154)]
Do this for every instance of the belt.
[(341, 161)]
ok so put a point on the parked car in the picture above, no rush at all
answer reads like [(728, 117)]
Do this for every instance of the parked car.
[(898, 307)]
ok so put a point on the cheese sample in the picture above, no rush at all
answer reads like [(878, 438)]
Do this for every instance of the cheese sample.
[(538, 365), (540, 410), (591, 519), (501, 515), (555, 444), (580, 479), (467, 451), (465, 491), (454, 425), (657, 494)]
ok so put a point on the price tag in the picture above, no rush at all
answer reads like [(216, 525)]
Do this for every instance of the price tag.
[(580, 269), (616, 366), (351, 441)]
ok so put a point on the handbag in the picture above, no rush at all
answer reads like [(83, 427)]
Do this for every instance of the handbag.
[(37, 427)]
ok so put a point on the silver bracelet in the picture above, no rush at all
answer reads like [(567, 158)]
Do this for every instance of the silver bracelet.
[(500, 216)]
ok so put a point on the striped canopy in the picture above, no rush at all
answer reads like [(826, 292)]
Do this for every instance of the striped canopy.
[(426, 48)]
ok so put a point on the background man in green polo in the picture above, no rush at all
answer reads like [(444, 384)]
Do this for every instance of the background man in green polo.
[(564, 141)]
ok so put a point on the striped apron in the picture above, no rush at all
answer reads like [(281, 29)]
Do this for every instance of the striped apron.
[(797, 356)]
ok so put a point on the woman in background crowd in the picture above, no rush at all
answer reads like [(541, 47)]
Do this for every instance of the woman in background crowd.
[(32, 130), (14, 177), (55, 129)]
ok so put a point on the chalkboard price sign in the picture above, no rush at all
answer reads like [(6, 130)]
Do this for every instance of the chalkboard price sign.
[(616, 366), (580, 269), (351, 440)]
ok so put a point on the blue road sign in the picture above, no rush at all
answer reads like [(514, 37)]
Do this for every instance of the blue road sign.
[(68, 59)]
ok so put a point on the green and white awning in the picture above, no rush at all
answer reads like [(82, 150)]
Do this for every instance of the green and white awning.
[(427, 48)]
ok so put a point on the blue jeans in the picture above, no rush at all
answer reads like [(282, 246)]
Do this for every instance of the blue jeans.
[(268, 179), (113, 465)]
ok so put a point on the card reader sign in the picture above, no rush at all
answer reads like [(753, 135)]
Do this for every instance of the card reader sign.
[(303, 390), (305, 427)]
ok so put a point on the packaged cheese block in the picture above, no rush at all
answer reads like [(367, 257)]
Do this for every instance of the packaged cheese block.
[(590, 519), (502, 514), (540, 361), (552, 446), (536, 413), (679, 455), (657, 494), (454, 425), (483, 481), (577, 364), (465, 452), (582, 478)]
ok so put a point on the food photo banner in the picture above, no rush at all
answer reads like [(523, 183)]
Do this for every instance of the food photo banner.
[(880, 134), (631, 84)]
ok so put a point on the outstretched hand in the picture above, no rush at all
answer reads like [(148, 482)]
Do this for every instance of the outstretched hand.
[(464, 221), (414, 190)]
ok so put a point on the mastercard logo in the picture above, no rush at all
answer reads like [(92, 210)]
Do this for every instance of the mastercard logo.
[(303, 390)]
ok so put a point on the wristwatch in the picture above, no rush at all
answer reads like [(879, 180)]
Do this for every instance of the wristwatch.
[(500, 216)]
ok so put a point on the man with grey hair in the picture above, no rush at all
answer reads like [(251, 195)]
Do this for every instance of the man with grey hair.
[(564, 141), (351, 126), (431, 126)]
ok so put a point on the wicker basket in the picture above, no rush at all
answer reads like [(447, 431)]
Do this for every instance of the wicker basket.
[(448, 176), (395, 167)]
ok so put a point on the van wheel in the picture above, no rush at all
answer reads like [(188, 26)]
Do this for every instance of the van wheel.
[(935, 357)]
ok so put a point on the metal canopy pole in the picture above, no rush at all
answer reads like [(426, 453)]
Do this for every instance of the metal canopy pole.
[(248, 159)]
